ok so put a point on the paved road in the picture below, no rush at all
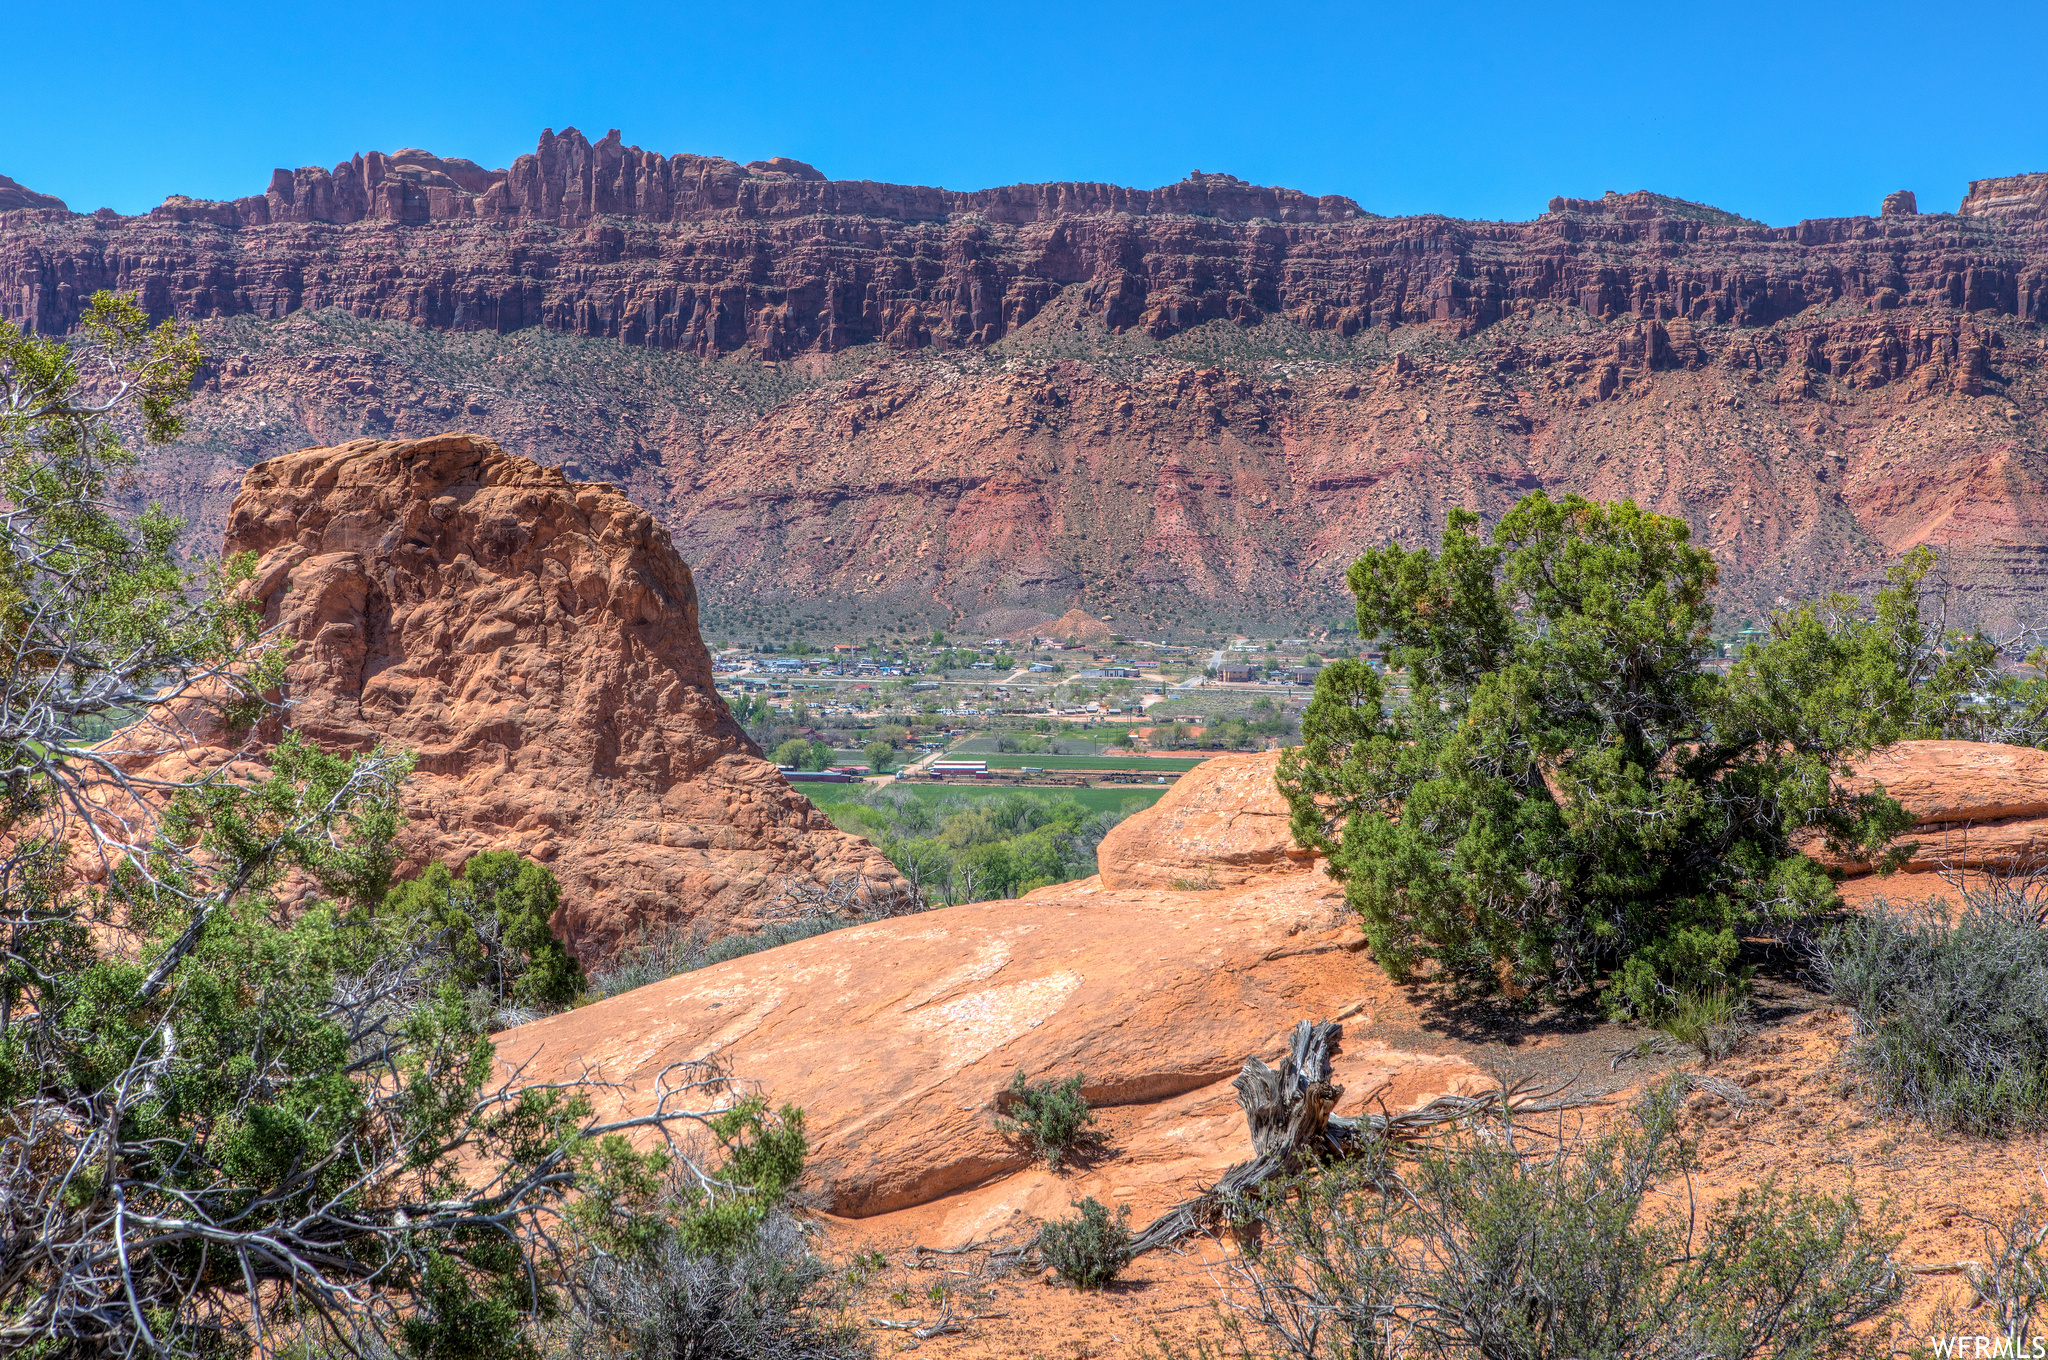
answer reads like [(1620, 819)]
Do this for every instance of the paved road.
[(1196, 681)]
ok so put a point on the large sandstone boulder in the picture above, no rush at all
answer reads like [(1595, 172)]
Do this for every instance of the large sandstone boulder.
[(896, 1037), (534, 641), (1975, 805), (1222, 825)]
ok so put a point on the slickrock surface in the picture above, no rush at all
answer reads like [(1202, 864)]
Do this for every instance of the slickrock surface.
[(877, 403), (534, 641), (1222, 824), (897, 1036), (1976, 805), (1799, 1123)]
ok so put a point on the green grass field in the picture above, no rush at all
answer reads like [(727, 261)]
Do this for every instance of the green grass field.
[(1048, 761), (1095, 800)]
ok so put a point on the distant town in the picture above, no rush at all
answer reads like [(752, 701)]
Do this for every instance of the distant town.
[(1032, 709)]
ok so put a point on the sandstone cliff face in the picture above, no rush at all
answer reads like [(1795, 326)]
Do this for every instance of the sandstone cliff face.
[(535, 642), (898, 403), (2017, 197), (702, 254)]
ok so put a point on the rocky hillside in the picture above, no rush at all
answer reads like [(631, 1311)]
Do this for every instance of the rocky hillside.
[(902, 405)]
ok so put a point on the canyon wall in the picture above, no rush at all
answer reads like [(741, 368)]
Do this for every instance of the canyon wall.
[(888, 403)]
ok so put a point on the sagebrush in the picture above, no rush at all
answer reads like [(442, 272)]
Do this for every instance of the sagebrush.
[(1513, 1244), (1090, 1248), (1951, 1015)]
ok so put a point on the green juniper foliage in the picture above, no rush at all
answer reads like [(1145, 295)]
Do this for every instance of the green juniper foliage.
[(492, 918), (1569, 798)]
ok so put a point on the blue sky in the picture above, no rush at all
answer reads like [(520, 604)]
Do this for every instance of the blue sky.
[(1778, 111)]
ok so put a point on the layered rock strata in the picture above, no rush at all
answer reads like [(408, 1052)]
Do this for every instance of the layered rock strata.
[(15, 195), (1202, 399), (1975, 805), (704, 254)]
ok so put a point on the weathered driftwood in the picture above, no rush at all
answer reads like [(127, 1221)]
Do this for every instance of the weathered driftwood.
[(1288, 1114)]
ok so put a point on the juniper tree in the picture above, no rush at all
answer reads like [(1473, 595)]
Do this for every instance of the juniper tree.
[(1569, 798)]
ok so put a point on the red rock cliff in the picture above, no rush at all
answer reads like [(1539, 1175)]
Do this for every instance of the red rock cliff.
[(891, 404)]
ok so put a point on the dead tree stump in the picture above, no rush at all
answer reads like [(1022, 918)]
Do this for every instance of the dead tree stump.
[(1288, 1113)]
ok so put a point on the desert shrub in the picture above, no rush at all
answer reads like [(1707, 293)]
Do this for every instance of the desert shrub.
[(1952, 1015), (707, 1267), (765, 1302), (1568, 798), (492, 921), (1049, 1117), (2011, 1277), (1509, 1245), (1710, 1022), (1089, 1249)]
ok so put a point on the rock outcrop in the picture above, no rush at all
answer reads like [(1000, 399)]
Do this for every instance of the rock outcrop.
[(1078, 625), (1900, 203), (1223, 825), (1975, 805), (15, 195), (534, 642), (1644, 206), (2015, 197), (897, 1037)]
